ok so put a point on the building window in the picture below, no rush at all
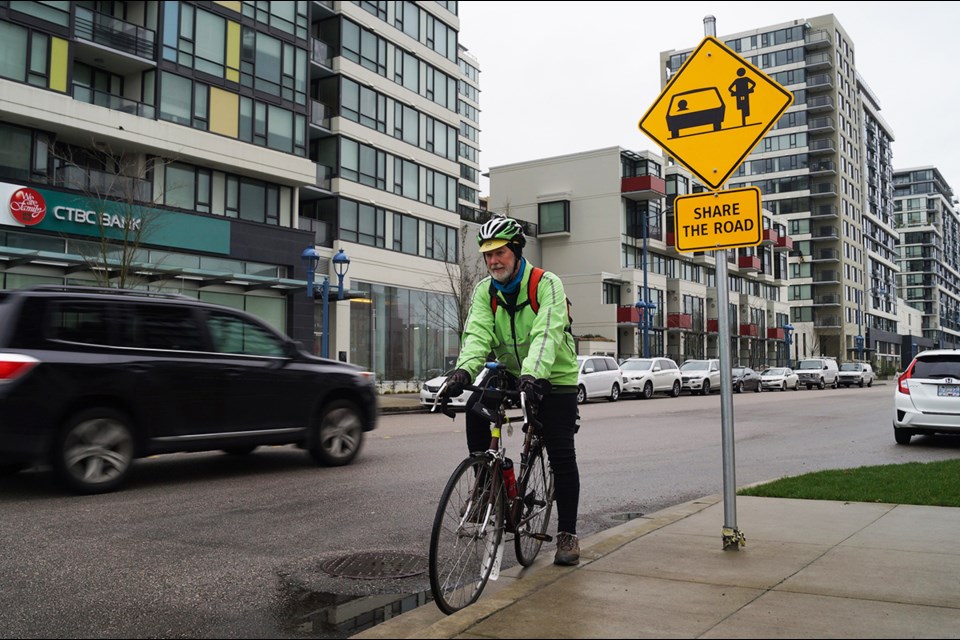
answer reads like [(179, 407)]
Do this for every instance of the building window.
[(554, 217)]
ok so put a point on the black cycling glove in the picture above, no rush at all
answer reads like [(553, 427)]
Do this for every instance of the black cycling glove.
[(535, 389), (456, 382)]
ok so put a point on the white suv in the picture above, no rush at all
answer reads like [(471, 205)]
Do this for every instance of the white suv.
[(858, 373), (646, 376), (599, 377), (700, 376)]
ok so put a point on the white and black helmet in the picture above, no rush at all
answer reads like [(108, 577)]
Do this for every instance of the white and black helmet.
[(499, 231)]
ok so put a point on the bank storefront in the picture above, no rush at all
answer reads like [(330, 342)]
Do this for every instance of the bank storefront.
[(56, 237)]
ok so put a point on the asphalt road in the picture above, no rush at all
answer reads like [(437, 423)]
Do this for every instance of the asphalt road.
[(216, 546)]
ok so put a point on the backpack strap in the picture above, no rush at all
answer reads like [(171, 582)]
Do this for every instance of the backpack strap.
[(532, 284)]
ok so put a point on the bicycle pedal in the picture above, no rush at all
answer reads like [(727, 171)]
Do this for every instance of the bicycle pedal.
[(542, 537)]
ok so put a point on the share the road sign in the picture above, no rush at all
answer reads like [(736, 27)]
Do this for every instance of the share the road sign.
[(718, 220), (714, 111)]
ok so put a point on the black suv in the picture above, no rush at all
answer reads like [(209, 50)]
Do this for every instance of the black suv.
[(92, 378)]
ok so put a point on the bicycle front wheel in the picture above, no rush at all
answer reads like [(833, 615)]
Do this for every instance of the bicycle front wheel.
[(536, 491), (467, 532)]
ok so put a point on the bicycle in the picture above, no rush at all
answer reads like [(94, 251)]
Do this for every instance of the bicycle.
[(478, 505)]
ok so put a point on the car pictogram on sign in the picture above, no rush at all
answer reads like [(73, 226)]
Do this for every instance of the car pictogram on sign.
[(695, 108)]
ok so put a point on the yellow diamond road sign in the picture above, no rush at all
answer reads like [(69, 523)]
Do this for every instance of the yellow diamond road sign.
[(718, 220), (714, 111)]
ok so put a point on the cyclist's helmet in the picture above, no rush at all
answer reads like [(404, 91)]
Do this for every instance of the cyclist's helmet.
[(499, 231)]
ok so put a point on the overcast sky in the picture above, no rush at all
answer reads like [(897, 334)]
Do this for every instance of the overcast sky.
[(566, 77)]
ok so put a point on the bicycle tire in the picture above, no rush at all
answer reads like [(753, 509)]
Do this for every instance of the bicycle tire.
[(462, 550), (536, 489)]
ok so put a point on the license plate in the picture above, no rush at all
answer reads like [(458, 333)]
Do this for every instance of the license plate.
[(949, 390)]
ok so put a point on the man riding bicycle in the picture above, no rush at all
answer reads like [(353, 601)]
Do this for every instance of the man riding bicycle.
[(503, 321)]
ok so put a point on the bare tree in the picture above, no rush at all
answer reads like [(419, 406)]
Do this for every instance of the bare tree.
[(458, 280), (117, 181)]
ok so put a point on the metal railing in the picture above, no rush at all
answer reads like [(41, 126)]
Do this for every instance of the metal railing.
[(111, 101), (115, 33)]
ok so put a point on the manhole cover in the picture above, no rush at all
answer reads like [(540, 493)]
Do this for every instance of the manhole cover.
[(377, 564)]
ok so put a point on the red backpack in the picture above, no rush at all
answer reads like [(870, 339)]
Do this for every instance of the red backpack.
[(532, 285)]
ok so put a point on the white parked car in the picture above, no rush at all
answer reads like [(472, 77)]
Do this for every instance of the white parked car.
[(781, 378), (428, 392), (858, 373), (600, 377), (700, 376), (927, 399), (645, 376)]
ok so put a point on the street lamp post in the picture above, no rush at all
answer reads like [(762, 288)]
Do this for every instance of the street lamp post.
[(341, 263), (646, 310), (787, 330)]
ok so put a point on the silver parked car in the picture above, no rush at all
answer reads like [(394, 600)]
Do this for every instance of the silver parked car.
[(927, 399), (643, 377)]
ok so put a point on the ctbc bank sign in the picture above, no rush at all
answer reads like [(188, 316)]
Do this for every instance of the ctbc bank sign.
[(29, 208)]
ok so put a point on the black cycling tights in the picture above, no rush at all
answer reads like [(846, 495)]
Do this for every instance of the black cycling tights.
[(560, 416)]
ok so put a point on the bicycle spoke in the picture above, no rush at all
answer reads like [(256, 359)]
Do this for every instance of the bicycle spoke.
[(536, 490)]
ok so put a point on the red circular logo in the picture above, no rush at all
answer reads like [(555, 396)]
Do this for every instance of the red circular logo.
[(27, 206)]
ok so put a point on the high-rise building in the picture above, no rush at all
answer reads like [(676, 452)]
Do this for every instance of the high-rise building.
[(824, 171), (232, 136), (928, 220)]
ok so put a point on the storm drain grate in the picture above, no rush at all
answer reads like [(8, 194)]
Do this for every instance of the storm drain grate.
[(378, 564)]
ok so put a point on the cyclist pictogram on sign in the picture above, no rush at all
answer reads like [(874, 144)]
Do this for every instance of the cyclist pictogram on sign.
[(714, 111)]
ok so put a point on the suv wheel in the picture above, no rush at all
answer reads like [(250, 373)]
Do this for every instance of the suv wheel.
[(821, 384), (339, 434), (861, 383), (614, 393), (738, 388), (676, 389), (581, 394), (94, 452), (648, 391), (705, 389)]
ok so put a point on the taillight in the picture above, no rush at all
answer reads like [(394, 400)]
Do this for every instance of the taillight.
[(14, 365), (902, 380)]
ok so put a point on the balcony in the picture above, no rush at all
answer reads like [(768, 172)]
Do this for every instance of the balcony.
[(642, 188), (628, 314), (819, 62), (821, 125), (824, 167), (826, 277), (769, 237), (683, 321), (776, 333), (825, 255), (821, 146), (103, 184), (821, 82), (748, 263), (829, 321), (824, 233), (819, 103), (827, 300), (115, 34), (671, 239), (750, 330), (111, 101), (825, 211), (321, 55), (817, 40), (713, 325), (823, 190), (784, 243)]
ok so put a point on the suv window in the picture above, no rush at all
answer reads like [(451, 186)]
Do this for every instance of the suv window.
[(158, 326), (231, 334), (79, 321)]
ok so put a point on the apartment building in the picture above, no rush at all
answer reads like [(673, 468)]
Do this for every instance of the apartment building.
[(816, 170), (605, 226), (927, 217), (247, 132)]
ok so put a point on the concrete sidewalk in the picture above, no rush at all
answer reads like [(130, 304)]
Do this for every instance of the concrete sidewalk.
[(810, 569)]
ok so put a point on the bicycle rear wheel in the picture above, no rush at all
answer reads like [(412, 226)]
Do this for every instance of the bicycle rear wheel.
[(467, 530), (536, 489)]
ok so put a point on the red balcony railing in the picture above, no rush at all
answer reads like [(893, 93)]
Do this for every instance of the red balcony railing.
[(749, 263), (671, 241), (770, 236), (713, 325), (784, 242), (679, 321), (776, 333), (628, 313), (643, 187), (750, 330)]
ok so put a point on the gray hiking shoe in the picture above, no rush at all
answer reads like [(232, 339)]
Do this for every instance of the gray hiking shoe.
[(568, 549)]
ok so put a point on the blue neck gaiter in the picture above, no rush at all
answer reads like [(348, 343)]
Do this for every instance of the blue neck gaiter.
[(513, 286)]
